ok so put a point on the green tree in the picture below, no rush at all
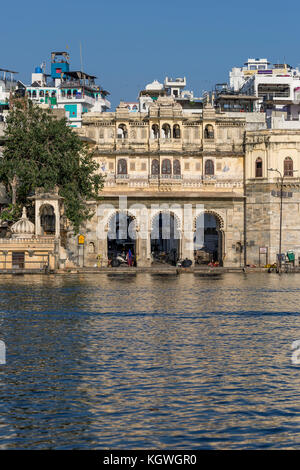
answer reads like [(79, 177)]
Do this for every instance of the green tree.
[(42, 151)]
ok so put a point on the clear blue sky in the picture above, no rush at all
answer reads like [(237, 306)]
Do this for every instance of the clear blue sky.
[(130, 43)]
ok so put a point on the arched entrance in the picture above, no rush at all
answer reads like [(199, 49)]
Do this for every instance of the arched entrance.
[(165, 238), (208, 239), (47, 217), (121, 236)]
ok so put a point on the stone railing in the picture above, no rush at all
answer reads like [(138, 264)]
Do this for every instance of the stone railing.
[(143, 181), (41, 240)]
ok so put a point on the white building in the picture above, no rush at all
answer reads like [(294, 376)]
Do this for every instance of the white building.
[(239, 75), (170, 87), (276, 86), (8, 85)]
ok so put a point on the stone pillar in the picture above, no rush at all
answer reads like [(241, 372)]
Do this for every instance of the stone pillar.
[(57, 219), (102, 250), (143, 251), (38, 228), (187, 250), (187, 235)]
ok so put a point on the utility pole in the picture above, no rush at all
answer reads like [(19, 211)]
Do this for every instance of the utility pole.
[(280, 215)]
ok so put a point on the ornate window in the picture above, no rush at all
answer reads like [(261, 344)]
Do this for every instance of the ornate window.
[(122, 166), (41, 93), (288, 166), (155, 167), (176, 167), (166, 131), (155, 131), (176, 131), (209, 132), (47, 219), (209, 167), (122, 132), (166, 168), (258, 168)]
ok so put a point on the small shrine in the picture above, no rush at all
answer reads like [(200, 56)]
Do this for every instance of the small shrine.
[(34, 247)]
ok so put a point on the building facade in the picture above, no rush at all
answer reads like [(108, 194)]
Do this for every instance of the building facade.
[(267, 151), (165, 162)]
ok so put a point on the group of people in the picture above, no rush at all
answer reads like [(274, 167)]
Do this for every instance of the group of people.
[(122, 258)]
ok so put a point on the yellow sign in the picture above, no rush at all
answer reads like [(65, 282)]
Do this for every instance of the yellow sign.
[(81, 240)]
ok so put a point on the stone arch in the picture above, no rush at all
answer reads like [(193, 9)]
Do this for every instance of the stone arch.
[(166, 131), (176, 131), (118, 211), (209, 132), (122, 132), (155, 131), (165, 237), (166, 167), (258, 167), (47, 218), (213, 248), (209, 167), (218, 217), (120, 241), (176, 167), (166, 211), (122, 168), (155, 167)]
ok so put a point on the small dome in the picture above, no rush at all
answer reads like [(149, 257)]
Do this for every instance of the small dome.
[(23, 228), (155, 85)]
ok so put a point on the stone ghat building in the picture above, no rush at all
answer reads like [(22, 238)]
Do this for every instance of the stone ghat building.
[(167, 162), (276, 149), (210, 167)]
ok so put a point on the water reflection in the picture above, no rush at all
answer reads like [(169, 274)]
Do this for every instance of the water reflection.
[(179, 362)]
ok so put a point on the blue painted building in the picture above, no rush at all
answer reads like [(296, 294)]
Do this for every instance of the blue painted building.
[(75, 91)]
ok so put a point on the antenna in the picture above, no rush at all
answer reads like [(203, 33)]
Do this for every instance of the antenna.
[(81, 66)]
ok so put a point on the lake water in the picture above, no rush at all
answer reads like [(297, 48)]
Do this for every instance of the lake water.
[(149, 362)]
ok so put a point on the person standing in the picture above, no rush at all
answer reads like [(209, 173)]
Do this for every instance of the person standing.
[(129, 257)]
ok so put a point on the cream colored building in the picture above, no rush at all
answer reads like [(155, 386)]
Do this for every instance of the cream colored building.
[(277, 149), (165, 161), (203, 173)]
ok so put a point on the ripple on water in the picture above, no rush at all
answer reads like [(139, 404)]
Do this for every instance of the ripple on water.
[(96, 362)]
